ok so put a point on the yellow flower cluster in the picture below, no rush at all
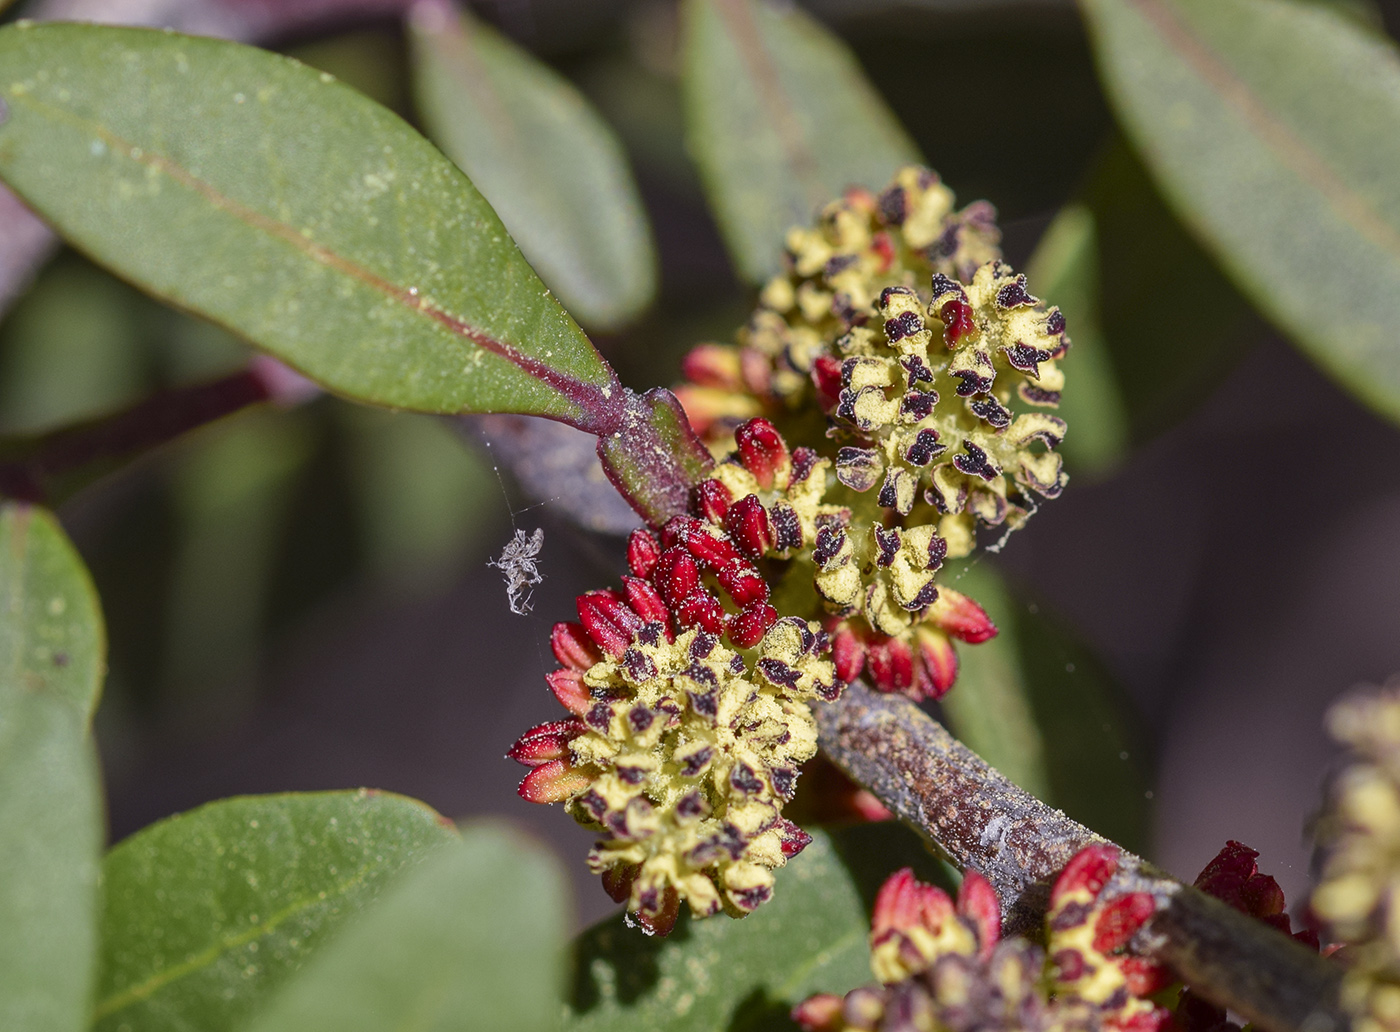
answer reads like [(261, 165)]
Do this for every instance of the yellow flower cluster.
[(1358, 896), (694, 761)]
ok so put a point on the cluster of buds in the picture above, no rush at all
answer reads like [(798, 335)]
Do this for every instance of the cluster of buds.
[(689, 725), (919, 367), (943, 967), (1233, 877), (1359, 844)]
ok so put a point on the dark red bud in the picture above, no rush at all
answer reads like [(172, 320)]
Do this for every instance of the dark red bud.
[(617, 881), (609, 620), (749, 525), (763, 451), (1144, 977), (940, 662), (744, 584), (642, 552), (545, 742), (659, 917), (645, 601), (712, 500), (820, 1013), (826, 377), (747, 628), (569, 689), (794, 839), (677, 576), (848, 653), (958, 324), (891, 663), (700, 609), (573, 647)]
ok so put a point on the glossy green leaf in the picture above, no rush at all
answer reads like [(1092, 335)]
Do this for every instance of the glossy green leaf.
[(1274, 130), (209, 912), (989, 707), (550, 166), (780, 120), (721, 975), (472, 940), (1065, 270), (51, 666), (269, 197)]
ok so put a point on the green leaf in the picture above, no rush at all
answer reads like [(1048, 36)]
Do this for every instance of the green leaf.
[(51, 666), (989, 707), (1167, 356), (1274, 130), (209, 912), (1035, 703), (473, 940), (720, 975), (1065, 269), (270, 198), (780, 120), (550, 166)]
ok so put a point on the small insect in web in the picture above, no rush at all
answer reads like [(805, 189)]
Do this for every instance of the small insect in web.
[(517, 562)]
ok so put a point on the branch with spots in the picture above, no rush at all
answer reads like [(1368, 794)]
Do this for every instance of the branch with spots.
[(982, 822)]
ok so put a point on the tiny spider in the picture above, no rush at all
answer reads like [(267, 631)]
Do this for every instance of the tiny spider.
[(517, 562)]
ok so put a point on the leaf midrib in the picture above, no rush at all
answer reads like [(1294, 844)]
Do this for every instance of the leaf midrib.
[(143, 991), (588, 398), (1294, 152)]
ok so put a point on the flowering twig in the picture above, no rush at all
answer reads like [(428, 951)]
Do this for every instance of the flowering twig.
[(980, 820)]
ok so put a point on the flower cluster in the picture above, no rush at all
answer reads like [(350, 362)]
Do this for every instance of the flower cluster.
[(1359, 842), (920, 367), (1233, 876), (690, 723), (912, 366), (943, 967)]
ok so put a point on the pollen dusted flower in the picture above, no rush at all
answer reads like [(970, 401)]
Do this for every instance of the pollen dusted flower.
[(1359, 846), (915, 368), (943, 967), (689, 727)]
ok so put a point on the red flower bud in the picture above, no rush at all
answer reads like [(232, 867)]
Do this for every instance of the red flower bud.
[(553, 782), (848, 653), (573, 647), (747, 628), (820, 1013), (545, 742), (713, 365), (700, 609), (882, 245), (957, 615), (957, 322), (1121, 918), (642, 552), (977, 902), (569, 689), (1144, 977), (617, 881), (658, 916), (749, 525), (826, 377), (608, 620), (744, 583), (712, 500), (1090, 869), (763, 451), (794, 839), (646, 603), (940, 661), (904, 902), (677, 576), (891, 664)]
